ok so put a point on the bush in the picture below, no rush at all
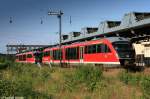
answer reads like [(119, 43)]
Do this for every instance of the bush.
[(23, 80), (23, 88), (5, 58), (6, 88), (5, 64), (86, 75), (2, 59), (20, 88)]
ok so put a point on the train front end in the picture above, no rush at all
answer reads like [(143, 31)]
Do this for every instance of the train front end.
[(124, 52)]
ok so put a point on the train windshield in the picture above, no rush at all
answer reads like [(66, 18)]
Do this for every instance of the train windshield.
[(124, 49)]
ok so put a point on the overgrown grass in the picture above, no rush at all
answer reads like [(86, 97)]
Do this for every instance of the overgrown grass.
[(129, 78), (4, 57), (22, 80), (6, 61), (85, 75), (84, 82), (5, 65), (137, 79)]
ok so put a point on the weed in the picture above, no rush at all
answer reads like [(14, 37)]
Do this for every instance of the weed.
[(6, 88), (70, 83), (85, 75), (145, 84), (129, 78), (6, 64), (142, 81)]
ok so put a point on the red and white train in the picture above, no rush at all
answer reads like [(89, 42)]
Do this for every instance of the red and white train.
[(111, 51)]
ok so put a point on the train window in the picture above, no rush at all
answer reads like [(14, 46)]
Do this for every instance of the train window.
[(20, 57), (90, 49), (72, 53), (122, 46), (105, 48), (97, 48), (29, 56), (85, 49), (47, 53), (57, 54), (124, 49), (24, 57)]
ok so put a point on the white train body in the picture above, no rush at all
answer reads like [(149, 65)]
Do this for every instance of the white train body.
[(142, 53)]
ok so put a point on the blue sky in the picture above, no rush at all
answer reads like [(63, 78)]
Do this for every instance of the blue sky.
[(26, 16)]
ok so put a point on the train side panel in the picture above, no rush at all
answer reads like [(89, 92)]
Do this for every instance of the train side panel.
[(30, 57), (46, 56), (101, 56)]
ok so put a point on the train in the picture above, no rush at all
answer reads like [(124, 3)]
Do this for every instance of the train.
[(111, 44), (109, 52)]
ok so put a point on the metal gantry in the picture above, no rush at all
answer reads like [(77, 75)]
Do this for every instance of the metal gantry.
[(58, 14)]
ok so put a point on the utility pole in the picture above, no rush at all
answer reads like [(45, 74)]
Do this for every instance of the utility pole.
[(58, 14)]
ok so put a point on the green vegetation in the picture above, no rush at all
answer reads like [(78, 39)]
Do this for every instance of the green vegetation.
[(88, 76), (6, 61), (137, 79), (5, 58), (21, 80), (84, 82)]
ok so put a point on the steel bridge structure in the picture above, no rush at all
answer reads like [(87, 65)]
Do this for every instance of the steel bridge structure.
[(135, 26), (12, 49)]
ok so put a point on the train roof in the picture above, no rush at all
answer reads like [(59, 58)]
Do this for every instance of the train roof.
[(111, 39), (116, 39)]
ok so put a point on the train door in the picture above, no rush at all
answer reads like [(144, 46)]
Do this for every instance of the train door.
[(81, 54)]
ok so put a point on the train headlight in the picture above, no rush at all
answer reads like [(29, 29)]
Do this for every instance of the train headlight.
[(127, 56)]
